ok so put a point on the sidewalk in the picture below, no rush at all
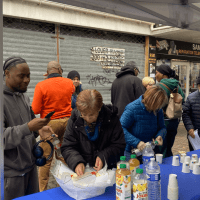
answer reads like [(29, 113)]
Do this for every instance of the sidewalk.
[(180, 144)]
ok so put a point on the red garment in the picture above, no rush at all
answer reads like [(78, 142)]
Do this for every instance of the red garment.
[(53, 94)]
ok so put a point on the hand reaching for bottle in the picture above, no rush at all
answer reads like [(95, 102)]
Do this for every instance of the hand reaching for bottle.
[(46, 133), (141, 145), (159, 140)]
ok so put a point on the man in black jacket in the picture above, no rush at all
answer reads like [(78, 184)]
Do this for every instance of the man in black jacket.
[(93, 134), (127, 87), (191, 113)]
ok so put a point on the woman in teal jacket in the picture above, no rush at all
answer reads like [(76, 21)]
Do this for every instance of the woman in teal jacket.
[(166, 75), (142, 120)]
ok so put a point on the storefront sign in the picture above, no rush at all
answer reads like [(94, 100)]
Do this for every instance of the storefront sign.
[(108, 57)]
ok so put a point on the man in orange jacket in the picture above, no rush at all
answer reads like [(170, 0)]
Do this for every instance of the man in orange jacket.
[(53, 94)]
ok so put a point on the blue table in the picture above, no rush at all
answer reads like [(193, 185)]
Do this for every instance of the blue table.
[(189, 185)]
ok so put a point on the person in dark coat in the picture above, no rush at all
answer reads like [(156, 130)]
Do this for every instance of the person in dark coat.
[(191, 113), (93, 134), (127, 87), (75, 77)]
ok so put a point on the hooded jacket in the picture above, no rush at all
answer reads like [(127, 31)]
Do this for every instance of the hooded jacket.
[(18, 139), (126, 88), (77, 148)]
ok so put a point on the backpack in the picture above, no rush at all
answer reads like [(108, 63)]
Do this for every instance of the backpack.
[(174, 107)]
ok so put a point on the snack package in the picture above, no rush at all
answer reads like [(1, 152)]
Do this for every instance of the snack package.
[(89, 185)]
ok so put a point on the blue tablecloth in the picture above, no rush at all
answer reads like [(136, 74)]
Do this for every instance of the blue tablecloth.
[(189, 185)]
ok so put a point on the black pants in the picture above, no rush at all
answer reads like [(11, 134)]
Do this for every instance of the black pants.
[(21, 185), (172, 126)]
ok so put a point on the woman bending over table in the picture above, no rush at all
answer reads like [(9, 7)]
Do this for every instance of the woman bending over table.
[(93, 134)]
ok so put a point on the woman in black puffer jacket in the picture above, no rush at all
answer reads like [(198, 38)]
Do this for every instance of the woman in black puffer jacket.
[(93, 134), (191, 113)]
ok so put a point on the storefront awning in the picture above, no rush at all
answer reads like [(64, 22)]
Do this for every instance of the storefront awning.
[(184, 14)]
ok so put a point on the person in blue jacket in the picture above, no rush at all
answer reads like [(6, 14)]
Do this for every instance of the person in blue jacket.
[(143, 120), (75, 77)]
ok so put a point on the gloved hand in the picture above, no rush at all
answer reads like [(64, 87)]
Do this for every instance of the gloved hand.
[(159, 140), (141, 145)]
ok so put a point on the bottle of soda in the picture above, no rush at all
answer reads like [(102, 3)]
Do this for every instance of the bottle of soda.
[(123, 161), (56, 143), (153, 180), (147, 154), (123, 183), (134, 164), (140, 191)]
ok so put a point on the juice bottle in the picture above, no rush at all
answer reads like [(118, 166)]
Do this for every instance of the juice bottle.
[(123, 183), (134, 164), (140, 191), (123, 161)]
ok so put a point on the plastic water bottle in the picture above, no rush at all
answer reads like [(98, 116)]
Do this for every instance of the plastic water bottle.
[(56, 143), (153, 180), (137, 152), (123, 161), (147, 154)]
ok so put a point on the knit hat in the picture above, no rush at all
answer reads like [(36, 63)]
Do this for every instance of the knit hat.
[(12, 61), (166, 70), (133, 65), (73, 74)]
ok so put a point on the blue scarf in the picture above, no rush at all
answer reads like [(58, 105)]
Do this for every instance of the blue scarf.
[(93, 135)]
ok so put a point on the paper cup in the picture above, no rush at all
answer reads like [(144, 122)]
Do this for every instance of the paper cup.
[(199, 160), (194, 157), (196, 169), (173, 183), (187, 159), (175, 161), (186, 167), (172, 193), (159, 158), (182, 157), (192, 162)]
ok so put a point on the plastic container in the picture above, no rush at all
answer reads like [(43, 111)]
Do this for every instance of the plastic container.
[(148, 153), (140, 185), (153, 180), (137, 152), (123, 183), (56, 143), (134, 164), (123, 161)]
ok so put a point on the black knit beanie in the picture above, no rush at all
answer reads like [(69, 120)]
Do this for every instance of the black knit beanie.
[(166, 70), (73, 74)]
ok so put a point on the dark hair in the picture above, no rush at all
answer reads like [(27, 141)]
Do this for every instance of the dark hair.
[(166, 70)]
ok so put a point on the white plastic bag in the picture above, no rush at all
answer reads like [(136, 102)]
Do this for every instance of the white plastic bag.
[(83, 187)]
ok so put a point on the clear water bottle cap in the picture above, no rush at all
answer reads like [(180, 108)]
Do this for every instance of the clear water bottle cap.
[(122, 157), (152, 158)]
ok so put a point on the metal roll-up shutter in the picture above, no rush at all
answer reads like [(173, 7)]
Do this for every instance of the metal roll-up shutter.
[(76, 53), (32, 41)]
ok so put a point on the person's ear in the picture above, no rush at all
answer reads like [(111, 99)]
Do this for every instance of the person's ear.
[(7, 73)]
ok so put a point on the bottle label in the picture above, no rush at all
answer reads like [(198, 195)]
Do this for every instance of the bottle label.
[(123, 187), (153, 177), (147, 158), (140, 191)]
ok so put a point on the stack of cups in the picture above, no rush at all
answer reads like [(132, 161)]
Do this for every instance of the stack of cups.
[(182, 158), (195, 157), (175, 161), (185, 167), (187, 159), (172, 187), (196, 169)]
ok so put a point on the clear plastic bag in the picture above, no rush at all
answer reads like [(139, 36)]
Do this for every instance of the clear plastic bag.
[(87, 186)]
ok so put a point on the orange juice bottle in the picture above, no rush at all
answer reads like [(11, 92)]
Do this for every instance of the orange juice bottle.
[(134, 164), (123, 183)]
